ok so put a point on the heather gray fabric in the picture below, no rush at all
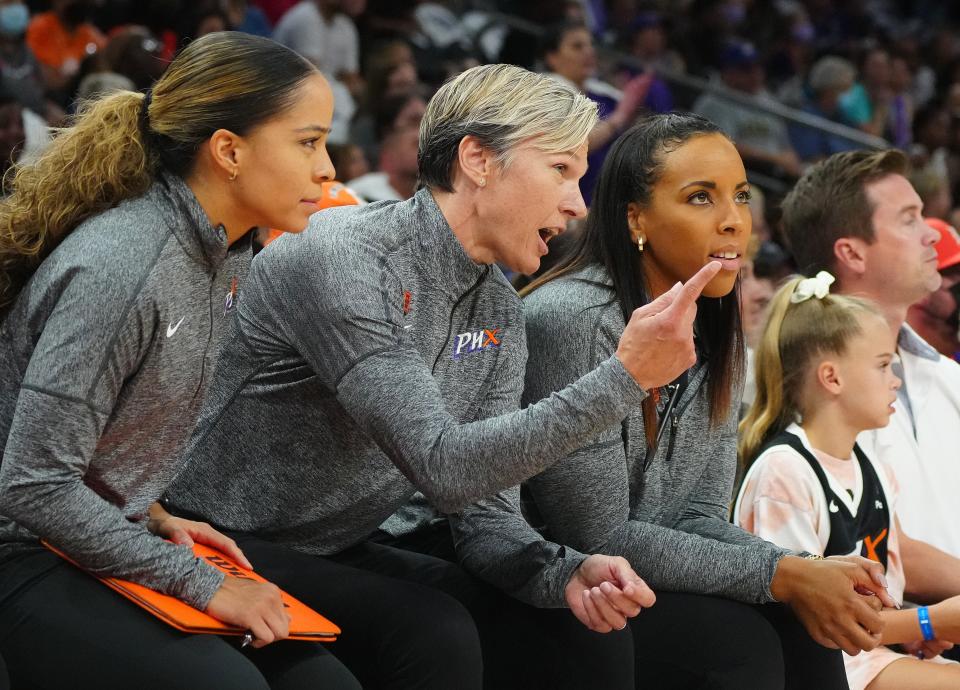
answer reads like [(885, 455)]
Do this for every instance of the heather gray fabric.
[(371, 361), (670, 522), (104, 360)]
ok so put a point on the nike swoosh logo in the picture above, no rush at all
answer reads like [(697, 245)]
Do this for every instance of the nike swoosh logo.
[(173, 329)]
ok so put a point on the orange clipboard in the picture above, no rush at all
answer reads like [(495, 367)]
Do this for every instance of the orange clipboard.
[(305, 623)]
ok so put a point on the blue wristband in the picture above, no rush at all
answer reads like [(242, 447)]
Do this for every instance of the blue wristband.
[(924, 616)]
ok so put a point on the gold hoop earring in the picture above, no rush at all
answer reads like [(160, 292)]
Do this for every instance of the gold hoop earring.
[(233, 176)]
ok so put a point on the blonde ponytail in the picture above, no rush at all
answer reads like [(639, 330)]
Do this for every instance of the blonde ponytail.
[(769, 412), (87, 168)]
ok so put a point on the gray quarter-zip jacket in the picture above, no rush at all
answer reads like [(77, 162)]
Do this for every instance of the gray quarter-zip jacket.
[(670, 521), (373, 358), (104, 361)]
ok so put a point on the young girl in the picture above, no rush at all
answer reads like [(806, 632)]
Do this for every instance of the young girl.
[(823, 369)]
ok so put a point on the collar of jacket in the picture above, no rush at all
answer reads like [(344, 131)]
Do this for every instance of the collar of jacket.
[(915, 345), (451, 268), (204, 243)]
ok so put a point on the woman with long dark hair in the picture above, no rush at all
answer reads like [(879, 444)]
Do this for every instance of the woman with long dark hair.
[(655, 487)]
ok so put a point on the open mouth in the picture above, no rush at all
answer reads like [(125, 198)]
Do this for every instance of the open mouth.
[(547, 234), (729, 260)]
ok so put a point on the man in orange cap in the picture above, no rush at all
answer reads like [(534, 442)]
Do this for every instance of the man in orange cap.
[(935, 317)]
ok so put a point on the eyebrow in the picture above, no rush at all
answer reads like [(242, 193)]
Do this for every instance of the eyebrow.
[(711, 185), (909, 208), (312, 128)]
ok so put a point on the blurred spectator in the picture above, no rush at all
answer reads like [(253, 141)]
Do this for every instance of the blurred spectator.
[(708, 29), (760, 137), (867, 104), (758, 214), (247, 18), (275, 9), (900, 121), (202, 18), (396, 112), (19, 70), (348, 160), (440, 28), (931, 135), (396, 176), (519, 47), (393, 98), (61, 39), (568, 53), (829, 78), (12, 133), (319, 31), (792, 37), (923, 78), (99, 84), (755, 295), (934, 192), (23, 133), (161, 19), (647, 41), (935, 317), (136, 54)]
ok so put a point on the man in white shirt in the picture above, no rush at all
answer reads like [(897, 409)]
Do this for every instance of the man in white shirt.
[(856, 215), (321, 33)]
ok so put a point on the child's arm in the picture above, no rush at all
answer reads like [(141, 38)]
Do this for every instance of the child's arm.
[(904, 626)]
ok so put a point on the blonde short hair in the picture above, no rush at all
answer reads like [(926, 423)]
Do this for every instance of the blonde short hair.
[(502, 106)]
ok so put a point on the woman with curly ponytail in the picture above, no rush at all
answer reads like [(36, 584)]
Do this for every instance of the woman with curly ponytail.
[(121, 252)]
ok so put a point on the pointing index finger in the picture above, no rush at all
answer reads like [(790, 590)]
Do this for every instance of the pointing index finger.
[(692, 288)]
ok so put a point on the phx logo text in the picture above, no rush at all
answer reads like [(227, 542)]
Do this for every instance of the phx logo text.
[(475, 341)]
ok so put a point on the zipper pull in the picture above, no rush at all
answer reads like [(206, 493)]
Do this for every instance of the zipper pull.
[(674, 425)]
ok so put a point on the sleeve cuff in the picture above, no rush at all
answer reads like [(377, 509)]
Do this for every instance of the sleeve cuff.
[(201, 584), (568, 560), (622, 381)]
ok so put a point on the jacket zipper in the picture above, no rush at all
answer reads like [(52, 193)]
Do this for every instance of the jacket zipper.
[(206, 349)]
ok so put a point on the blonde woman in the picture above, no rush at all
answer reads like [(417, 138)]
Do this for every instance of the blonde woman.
[(122, 249), (823, 377), (389, 349)]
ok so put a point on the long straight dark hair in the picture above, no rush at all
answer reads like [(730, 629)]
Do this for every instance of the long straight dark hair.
[(630, 171)]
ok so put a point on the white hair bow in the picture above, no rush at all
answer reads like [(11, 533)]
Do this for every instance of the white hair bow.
[(818, 286)]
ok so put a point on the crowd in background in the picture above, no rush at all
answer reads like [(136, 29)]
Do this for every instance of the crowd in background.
[(888, 69)]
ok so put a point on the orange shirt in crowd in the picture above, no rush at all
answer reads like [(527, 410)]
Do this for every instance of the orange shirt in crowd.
[(58, 48)]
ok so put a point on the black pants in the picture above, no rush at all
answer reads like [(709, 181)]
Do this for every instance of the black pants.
[(695, 641), (60, 628), (684, 641), (524, 648), (396, 634)]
